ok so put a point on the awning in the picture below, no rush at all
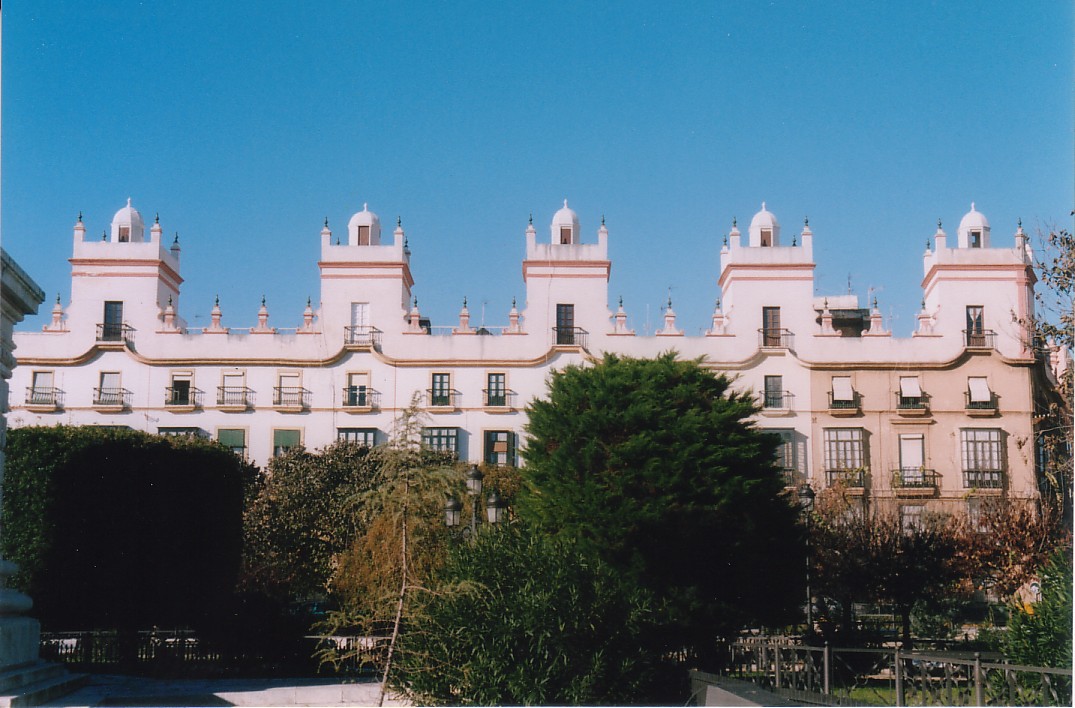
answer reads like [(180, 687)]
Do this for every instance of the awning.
[(979, 389), (909, 387), (841, 389)]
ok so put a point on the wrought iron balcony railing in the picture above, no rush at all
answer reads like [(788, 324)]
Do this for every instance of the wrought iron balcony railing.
[(571, 336), (980, 338), (854, 478), (44, 396), (114, 332), (989, 405), (777, 399), (361, 397), (234, 396), (290, 397), (442, 398), (362, 336), (915, 478), (119, 397), (774, 337), (911, 403), (182, 396), (983, 479), (837, 404), (498, 398)]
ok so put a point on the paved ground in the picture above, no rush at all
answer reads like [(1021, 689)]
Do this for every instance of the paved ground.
[(110, 690)]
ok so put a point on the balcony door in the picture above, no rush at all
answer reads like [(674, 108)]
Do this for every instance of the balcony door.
[(975, 326), (912, 459), (770, 323), (113, 321), (360, 316), (565, 324)]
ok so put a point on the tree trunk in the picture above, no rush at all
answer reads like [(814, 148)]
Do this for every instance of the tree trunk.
[(905, 620), (402, 594)]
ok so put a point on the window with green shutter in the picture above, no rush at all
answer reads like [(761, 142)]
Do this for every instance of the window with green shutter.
[(233, 438), (500, 447), (284, 439)]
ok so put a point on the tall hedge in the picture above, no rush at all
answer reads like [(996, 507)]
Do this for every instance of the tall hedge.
[(121, 529)]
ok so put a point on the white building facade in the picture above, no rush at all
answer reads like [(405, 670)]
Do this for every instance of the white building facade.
[(943, 416)]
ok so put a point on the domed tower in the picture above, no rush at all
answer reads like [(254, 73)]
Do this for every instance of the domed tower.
[(122, 281), (566, 282), (973, 230), (365, 284), (764, 229)]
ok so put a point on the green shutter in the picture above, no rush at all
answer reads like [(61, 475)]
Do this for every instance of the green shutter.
[(286, 438), (232, 438)]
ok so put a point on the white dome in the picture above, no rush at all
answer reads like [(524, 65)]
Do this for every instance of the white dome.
[(973, 219), (766, 221), (973, 229), (367, 219), (565, 225), (127, 224)]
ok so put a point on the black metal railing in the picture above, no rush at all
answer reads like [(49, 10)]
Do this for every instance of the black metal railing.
[(361, 397), (498, 398), (836, 404), (111, 397), (114, 332), (915, 478), (234, 396), (983, 479), (362, 335), (980, 338), (44, 396), (854, 478), (182, 396), (442, 397), (774, 337), (989, 405), (571, 336), (291, 397), (911, 403), (777, 399)]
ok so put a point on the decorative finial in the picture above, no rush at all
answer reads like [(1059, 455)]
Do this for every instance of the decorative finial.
[(825, 305), (923, 304), (938, 224), (602, 219), (531, 218), (927, 244), (216, 301), (513, 302), (57, 298), (309, 301), (734, 223), (406, 243), (104, 235), (621, 300), (875, 302), (806, 221), (157, 218), (794, 242), (365, 206), (80, 216), (337, 240), (464, 302), (169, 301), (326, 222), (128, 201), (972, 206), (763, 206), (1019, 222), (399, 221), (415, 303), (263, 301), (176, 239), (725, 239), (565, 204)]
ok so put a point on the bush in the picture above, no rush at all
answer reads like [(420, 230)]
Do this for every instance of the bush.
[(1040, 635)]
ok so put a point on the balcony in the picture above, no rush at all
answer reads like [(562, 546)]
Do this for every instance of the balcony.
[(362, 337), (844, 406), (981, 408), (115, 333), (360, 399), (234, 399), (853, 479), (111, 400), (912, 406), (915, 481), (443, 398), (501, 398), (182, 398), (571, 337), (776, 403), (983, 479), (980, 339), (43, 399), (774, 338), (290, 399)]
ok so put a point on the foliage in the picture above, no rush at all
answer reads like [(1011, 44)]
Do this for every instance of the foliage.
[(141, 529), (1042, 636), (1009, 542), (653, 466), (523, 619), (304, 515)]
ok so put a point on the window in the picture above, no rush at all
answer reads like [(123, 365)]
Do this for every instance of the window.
[(565, 234), (843, 395), (289, 391), (441, 393), (496, 393), (442, 439), (978, 394), (791, 456), (770, 325), (179, 393), (41, 389), (358, 393), (124, 234), (845, 458), (981, 457), (975, 239), (912, 461), (110, 393), (774, 392), (363, 235), (181, 432), (766, 237), (910, 395), (911, 517), (500, 447), (112, 329), (565, 324), (975, 326), (233, 390), (362, 436), (233, 438), (978, 514), (284, 440)]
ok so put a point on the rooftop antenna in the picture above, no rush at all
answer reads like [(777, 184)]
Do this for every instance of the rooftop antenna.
[(848, 283)]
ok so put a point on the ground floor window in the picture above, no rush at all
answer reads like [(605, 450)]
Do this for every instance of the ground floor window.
[(284, 440), (233, 438), (362, 436), (441, 439), (500, 447)]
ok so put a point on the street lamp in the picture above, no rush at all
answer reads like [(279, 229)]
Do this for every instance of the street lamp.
[(451, 512), (495, 508), (806, 503), (474, 490)]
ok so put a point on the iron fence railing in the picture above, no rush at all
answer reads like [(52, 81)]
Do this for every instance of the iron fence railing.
[(983, 479), (44, 396), (980, 339), (915, 478), (571, 336), (989, 405), (291, 396), (114, 332), (442, 398), (182, 396), (777, 399), (498, 398), (855, 478), (770, 337), (361, 397), (911, 403), (844, 403), (362, 336), (111, 397), (234, 396)]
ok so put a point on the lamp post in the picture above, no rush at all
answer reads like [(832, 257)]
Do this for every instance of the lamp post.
[(495, 507), (474, 490), (806, 503)]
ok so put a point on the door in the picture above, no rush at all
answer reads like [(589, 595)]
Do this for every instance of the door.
[(975, 326), (565, 324), (358, 390), (912, 461), (112, 331), (233, 392), (110, 393), (770, 324), (360, 323), (180, 392)]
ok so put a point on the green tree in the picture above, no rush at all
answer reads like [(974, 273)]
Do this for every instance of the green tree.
[(1041, 634), (519, 618), (121, 529), (653, 466)]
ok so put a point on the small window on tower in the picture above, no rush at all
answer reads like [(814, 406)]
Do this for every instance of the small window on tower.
[(363, 235), (565, 234), (124, 234), (767, 237), (975, 239)]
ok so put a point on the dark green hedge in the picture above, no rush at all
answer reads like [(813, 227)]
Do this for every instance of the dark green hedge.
[(121, 529)]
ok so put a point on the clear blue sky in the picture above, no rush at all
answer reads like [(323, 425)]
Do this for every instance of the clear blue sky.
[(244, 124)]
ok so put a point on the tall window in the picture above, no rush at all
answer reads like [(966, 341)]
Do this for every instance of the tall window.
[(774, 392), (770, 323), (41, 390), (441, 393), (232, 390), (911, 517), (843, 394), (441, 439), (363, 235), (362, 436), (357, 390), (766, 237), (975, 239), (565, 234), (180, 392), (124, 234), (981, 457), (500, 447), (975, 326), (565, 324), (788, 459), (284, 440), (496, 391), (113, 321), (844, 449), (110, 392), (233, 438)]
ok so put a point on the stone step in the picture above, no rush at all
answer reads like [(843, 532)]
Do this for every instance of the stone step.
[(13, 679), (43, 690)]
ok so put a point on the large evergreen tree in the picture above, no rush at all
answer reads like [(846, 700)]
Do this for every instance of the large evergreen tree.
[(655, 467)]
